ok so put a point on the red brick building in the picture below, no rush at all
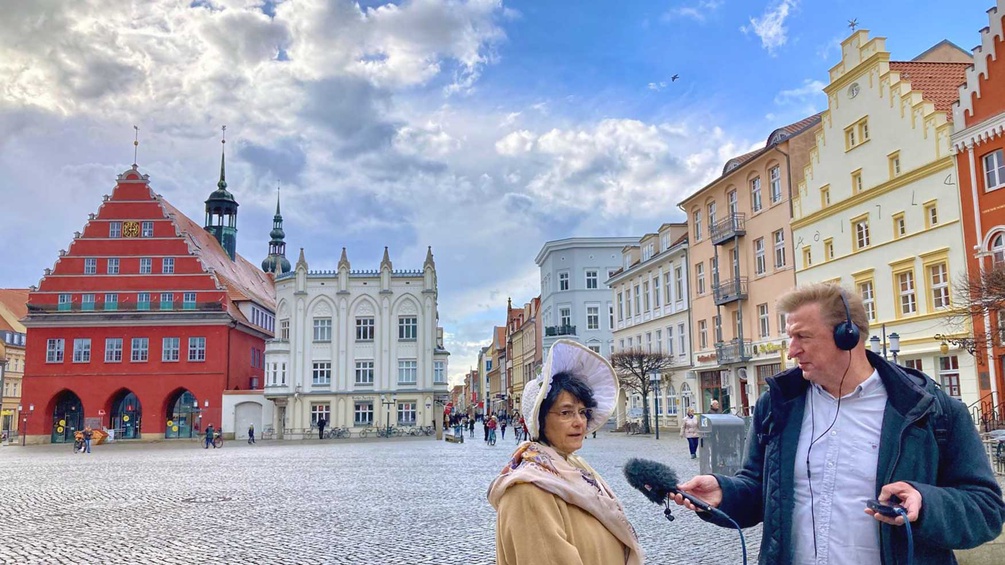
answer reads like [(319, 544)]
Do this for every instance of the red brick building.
[(979, 144), (145, 321)]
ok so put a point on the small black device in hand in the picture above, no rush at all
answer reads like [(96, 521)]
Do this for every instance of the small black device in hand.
[(891, 510)]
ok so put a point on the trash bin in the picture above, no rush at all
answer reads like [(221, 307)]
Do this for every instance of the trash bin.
[(722, 442)]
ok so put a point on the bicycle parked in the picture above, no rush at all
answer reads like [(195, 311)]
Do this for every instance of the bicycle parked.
[(338, 433)]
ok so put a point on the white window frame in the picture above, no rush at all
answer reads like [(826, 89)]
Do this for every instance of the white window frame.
[(592, 279), (563, 281), (362, 413), (112, 266), (994, 170), (408, 328), (54, 349), (364, 372), (760, 261), (146, 265), (365, 326), (113, 350), (907, 293), (321, 373), (408, 371), (406, 413), (763, 320), (322, 329), (90, 266), (196, 349), (593, 317), (439, 372), (755, 194), (775, 181), (139, 350), (146, 228), (171, 349), (82, 350), (114, 229), (779, 241), (167, 266)]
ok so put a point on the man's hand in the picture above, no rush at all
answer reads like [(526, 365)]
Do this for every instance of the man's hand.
[(704, 487), (910, 500)]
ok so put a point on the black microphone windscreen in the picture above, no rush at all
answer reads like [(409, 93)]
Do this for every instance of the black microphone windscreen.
[(653, 479)]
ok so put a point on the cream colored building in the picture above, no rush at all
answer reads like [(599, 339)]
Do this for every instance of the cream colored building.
[(13, 337), (740, 261), (879, 208), (523, 342), (357, 348), (650, 298)]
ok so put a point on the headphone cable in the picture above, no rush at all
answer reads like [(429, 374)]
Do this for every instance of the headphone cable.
[(813, 429)]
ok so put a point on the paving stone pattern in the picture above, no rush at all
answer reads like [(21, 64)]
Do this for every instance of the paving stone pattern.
[(399, 500)]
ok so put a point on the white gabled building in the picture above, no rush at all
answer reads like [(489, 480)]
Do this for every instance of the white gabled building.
[(356, 347), (652, 311), (879, 209)]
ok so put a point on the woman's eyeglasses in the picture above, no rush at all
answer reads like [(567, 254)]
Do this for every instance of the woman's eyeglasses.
[(568, 415)]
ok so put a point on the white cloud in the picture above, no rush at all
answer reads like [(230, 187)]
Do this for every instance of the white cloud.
[(809, 89), (770, 27), (350, 119), (698, 11)]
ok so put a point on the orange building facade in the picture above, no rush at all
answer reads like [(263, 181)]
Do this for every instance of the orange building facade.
[(143, 323), (979, 147)]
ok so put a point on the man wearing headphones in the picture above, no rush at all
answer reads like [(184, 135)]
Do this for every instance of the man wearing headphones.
[(844, 427)]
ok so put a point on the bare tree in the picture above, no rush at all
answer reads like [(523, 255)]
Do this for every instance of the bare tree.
[(634, 368), (975, 298)]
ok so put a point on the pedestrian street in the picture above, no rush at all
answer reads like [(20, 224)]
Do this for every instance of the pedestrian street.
[(399, 500)]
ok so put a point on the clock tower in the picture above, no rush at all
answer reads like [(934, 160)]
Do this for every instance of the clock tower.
[(221, 212)]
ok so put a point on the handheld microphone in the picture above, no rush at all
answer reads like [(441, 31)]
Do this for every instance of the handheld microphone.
[(657, 481)]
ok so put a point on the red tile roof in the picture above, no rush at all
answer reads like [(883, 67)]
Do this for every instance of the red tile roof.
[(939, 83), (243, 280), (15, 301)]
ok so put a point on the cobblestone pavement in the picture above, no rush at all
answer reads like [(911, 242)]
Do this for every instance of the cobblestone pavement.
[(408, 500)]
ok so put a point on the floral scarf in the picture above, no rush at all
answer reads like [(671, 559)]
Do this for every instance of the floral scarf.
[(572, 480)]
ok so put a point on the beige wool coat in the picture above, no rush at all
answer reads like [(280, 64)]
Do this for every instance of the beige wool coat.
[(553, 510), (536, 526)]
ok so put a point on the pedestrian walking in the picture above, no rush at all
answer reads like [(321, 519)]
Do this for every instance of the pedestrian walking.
[(485, 426), (493, 424), (552, 506), (471, 428), (321, 427), (689, 430), (209, 437), (502, 427), (251, 433), (88, 434)]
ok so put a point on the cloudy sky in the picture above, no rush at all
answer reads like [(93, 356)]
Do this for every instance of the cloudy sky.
[(480, 127)]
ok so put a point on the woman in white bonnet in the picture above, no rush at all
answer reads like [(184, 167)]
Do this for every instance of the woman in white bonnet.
[(552, 506)]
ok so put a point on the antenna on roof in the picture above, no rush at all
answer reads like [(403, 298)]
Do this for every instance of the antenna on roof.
[(136, 144)]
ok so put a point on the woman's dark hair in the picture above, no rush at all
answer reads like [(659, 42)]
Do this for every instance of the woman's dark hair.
[(564, 381)]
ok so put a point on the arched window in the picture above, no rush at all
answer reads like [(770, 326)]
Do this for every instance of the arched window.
[(671, 408), (998, 249)]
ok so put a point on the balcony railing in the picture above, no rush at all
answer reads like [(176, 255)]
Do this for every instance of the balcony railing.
[(126, 307), (730, 291), (733, 351), (560, 330), (733, 225)]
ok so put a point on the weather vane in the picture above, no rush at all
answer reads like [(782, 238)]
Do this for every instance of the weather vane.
[(853, 23), (136, 143), (223, 138)]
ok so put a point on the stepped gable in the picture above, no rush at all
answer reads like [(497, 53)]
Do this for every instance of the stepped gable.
[(242, 280), (985, 56), (939, 83)]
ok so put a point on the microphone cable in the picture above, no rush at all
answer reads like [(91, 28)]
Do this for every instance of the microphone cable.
[(910, 536), (743, 542)]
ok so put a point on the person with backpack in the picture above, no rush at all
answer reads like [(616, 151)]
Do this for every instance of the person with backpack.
[(844, 427)]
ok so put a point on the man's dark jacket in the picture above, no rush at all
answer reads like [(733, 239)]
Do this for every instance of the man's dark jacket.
[(962, 504)]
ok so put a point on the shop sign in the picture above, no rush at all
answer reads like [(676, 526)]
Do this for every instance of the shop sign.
[(707, 358)]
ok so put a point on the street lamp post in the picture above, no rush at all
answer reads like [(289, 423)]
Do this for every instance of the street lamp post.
[(3, 392), (24, 421), (874, 344), (654, 380), (387, 412)]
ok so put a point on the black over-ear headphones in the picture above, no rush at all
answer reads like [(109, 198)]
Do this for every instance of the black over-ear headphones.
[(846, 334)]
